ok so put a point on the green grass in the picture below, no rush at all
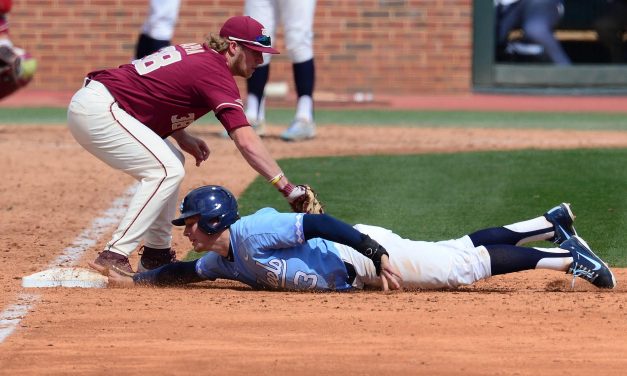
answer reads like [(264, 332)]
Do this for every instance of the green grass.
[(443, 196), (467, 119), (43, 115)]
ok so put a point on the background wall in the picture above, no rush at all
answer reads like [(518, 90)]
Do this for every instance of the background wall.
[(378, 46)]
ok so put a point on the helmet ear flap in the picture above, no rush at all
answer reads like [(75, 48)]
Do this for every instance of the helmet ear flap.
[(210, 225)]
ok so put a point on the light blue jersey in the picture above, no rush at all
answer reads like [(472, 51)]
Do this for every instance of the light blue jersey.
[(270, 251)]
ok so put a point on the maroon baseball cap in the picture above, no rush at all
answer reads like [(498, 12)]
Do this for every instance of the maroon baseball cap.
[(247, 30)]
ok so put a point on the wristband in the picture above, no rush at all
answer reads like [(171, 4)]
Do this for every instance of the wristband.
[(287, 189), (276, 179), (373, 250)]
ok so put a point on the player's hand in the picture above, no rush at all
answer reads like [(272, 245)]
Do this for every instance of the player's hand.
[(390, 276), (195, 146), (115, 279)]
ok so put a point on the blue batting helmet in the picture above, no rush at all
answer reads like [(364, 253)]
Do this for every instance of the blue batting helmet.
[(216, 206)]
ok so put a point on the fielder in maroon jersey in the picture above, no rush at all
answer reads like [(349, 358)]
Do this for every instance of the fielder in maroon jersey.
[(126, 115)]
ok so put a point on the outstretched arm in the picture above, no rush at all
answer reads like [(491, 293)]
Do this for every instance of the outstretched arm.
[(258, 157), (178, 273), (330, 228)]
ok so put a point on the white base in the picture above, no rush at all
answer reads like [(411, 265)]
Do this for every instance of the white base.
[(65, 277), (276, 89)]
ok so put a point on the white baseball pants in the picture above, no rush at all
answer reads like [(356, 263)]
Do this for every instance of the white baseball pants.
[(161, 19), (424, 265), (122, 142), (297, 18)]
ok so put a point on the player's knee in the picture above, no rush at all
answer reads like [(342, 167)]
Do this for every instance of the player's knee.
[(538, 31), (175, 172), (300, 54), (299, 46)]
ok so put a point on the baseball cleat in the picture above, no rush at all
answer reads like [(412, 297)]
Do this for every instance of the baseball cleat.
[(587, 265), (299, 130), (151, 258), (562, 219), (115, 261)]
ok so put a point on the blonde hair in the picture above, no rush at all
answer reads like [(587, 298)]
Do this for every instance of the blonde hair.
[(217, 43)]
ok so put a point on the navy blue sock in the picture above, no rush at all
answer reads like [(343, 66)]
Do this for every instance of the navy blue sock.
[(304, 77), (502, 235), (506, 258), (147, 45), (257, 82)]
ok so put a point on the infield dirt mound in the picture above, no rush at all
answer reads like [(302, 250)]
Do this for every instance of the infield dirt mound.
[(528, 323)]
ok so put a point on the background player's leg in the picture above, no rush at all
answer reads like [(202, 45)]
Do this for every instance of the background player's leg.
[(266, 12), (507, 18), (540, 18), (147, 45), (255, 101), (304, 79), (158, 29), (297, 17)]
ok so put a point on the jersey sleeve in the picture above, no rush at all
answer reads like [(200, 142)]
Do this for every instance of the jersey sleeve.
[(269, 229), (220, 92), (232, 118), (213, 266), (5, 6)]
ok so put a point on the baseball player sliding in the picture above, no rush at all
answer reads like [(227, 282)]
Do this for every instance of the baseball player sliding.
[(289, 251), (126, 116)]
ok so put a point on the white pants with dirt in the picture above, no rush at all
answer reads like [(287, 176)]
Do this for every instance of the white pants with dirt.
[(124, 143), (423, 265)]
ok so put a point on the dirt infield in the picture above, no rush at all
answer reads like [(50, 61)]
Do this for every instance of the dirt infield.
[(528, 323)]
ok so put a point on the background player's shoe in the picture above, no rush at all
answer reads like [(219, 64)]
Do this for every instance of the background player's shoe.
[(115, 261), (299, 130), (587, 265), (151, 258), (562, 219), (259, 126)]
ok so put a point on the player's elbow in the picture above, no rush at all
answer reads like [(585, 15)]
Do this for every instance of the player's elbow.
[(246, 140)]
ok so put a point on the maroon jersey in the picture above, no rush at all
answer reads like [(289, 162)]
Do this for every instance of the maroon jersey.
[(171, 88), (5, 6)]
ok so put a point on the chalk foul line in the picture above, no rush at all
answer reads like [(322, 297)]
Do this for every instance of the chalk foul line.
[(11, 316)]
